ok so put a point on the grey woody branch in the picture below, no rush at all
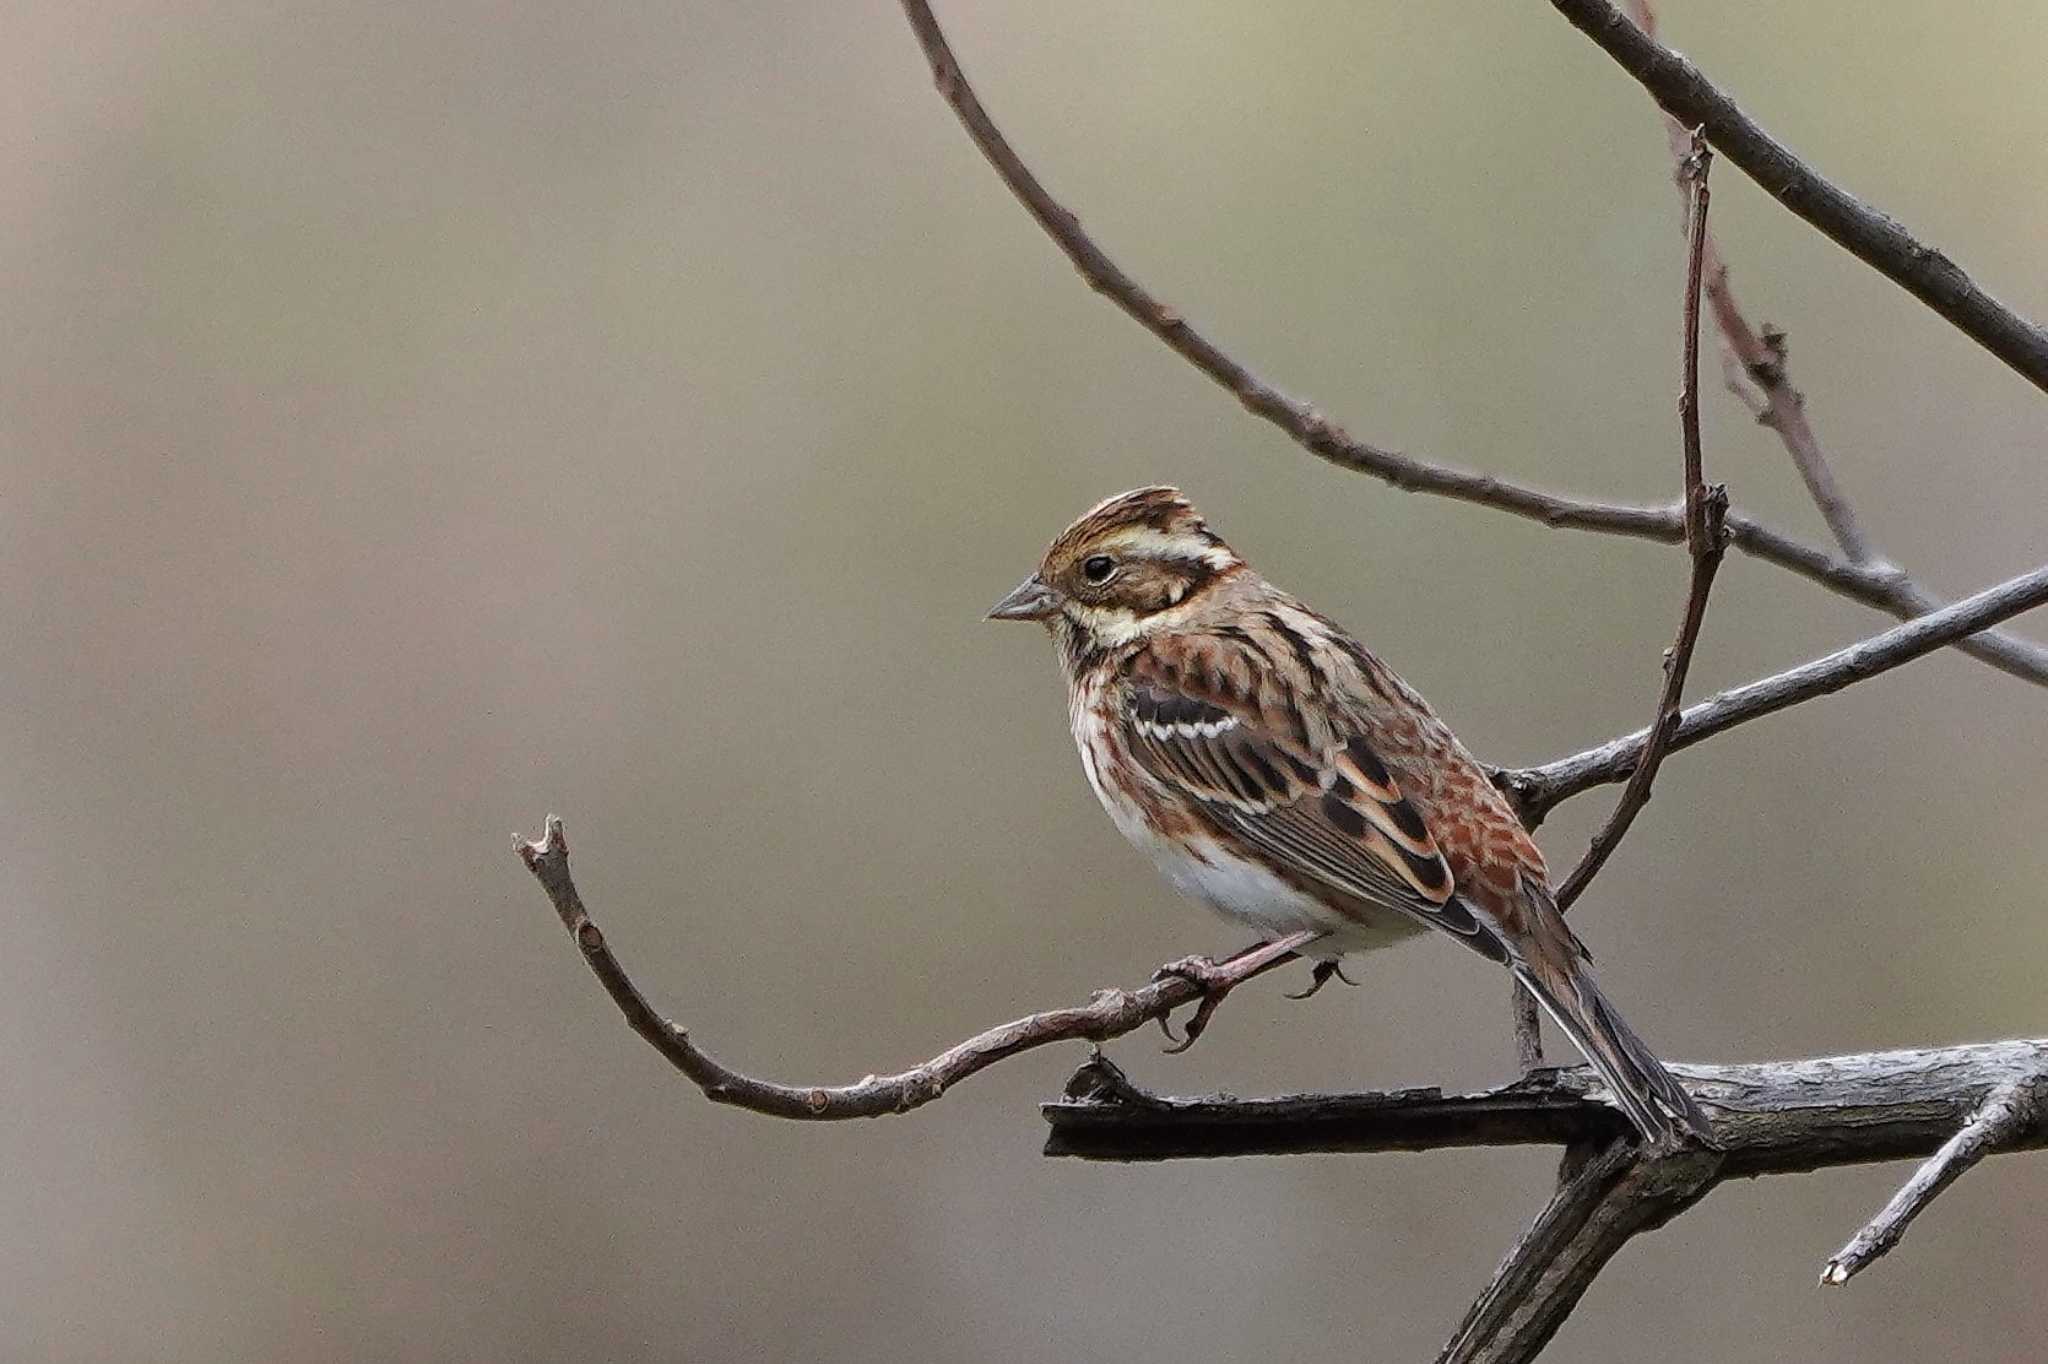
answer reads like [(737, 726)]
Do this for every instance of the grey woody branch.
[(1878, 585), (1872, 237), (1537, 790), (2007, 1115), (1786, 1117)]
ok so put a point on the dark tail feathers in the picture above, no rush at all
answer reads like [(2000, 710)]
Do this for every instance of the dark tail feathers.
[(1654, 1101)]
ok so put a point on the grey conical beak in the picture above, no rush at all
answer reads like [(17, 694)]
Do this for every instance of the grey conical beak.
[(1030, 600)]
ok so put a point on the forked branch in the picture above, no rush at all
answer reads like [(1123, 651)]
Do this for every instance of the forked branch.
[(1879, 585), (2006, 1116), (1782, 1117)]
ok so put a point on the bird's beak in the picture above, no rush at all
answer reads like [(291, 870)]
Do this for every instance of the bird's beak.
[(1030, 600)]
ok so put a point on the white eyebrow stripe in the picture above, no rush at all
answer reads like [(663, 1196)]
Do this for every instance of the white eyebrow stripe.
[(1146, 542)]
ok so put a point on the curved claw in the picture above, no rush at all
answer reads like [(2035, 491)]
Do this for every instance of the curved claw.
[(1166, 1026), (1214, 983), (1320, 976)]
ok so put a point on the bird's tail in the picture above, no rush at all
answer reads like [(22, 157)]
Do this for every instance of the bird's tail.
[(1654, 1101)]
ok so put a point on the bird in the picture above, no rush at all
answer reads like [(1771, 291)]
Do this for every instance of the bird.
[(1275, 769)]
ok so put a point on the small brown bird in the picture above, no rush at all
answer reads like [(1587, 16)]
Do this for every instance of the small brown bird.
[(1274, 768)]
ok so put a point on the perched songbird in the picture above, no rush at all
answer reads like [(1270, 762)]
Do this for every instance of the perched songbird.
[(1274, 768)]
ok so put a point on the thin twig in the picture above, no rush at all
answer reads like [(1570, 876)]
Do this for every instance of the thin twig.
[(1760, 360), (1112, 1013), (1874, 238), (1706, 508), (1877, 585), (1537, 790), (2009, 1111)]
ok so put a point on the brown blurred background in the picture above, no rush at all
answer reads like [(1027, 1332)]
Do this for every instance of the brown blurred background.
[(418, 420)]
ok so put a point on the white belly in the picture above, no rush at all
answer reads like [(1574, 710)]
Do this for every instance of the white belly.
[(1240, 889)]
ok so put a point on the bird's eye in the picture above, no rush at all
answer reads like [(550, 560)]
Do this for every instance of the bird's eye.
[(1098, 568)]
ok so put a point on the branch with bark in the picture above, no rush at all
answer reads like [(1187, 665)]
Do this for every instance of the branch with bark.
[(1953, 1105)]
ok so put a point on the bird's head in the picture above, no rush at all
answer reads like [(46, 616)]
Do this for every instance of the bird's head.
[(1129, 565)]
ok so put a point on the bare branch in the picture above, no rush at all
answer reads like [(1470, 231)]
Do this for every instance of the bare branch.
[(1770, 1117), (1705, 539), (1889, 589), (1871, 236), (1877, 585), (1112, 1013), (1537, 790), (1605, 1197), (2008, 1112)]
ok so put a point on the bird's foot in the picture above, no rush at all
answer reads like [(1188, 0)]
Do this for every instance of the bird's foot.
[(1216, 979), (1320, 976), (1213, 980)]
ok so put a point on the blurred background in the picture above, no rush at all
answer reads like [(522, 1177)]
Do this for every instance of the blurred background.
[(419, 419)]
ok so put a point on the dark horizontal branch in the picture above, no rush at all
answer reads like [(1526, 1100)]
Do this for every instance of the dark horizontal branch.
[(1780, 1117), (1877, 585), (1871, 236), (1111, 1013), (1537, 789), (1770, 1117)]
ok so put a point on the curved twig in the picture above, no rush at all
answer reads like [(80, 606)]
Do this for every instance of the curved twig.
[(1112, 1013), (1878, 585), (1872, 237)]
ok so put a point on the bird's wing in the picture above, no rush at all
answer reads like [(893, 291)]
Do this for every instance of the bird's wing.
[(1331, 815)]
